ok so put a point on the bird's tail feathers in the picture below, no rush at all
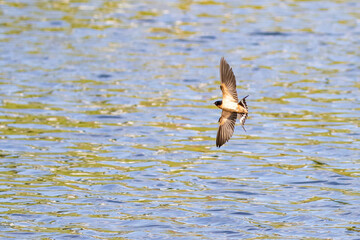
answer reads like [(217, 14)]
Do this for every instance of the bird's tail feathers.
[(243, 103), (243, 116)]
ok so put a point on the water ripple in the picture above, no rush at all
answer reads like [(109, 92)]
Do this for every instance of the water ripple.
[(108, 125)]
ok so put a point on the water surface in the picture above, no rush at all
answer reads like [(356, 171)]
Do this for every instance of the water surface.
[(108, 125)]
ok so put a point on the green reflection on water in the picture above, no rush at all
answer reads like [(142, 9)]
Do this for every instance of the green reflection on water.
[(30, 105), (47, 120)]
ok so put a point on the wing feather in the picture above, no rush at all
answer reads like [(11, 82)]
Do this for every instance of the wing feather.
[(226, 127), (228, 82)]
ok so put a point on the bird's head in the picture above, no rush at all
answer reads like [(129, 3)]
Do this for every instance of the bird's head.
[(218, 103)]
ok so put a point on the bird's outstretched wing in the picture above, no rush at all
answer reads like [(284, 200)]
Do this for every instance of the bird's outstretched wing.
[(226, 127), (228, 82)]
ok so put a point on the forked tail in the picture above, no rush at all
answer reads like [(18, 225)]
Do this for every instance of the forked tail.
[(243, 116), (243, 103)]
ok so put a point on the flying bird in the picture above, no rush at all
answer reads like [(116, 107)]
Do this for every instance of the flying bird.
[(231, 108)]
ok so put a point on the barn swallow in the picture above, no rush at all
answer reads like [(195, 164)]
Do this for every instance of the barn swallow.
[(231, 108)]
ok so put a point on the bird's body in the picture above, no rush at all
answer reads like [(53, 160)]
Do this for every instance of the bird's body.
[(232, 109)]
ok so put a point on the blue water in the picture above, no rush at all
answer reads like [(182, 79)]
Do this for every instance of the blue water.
[(108, 125)]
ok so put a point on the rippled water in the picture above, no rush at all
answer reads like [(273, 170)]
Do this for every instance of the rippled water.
[(108, 125)]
